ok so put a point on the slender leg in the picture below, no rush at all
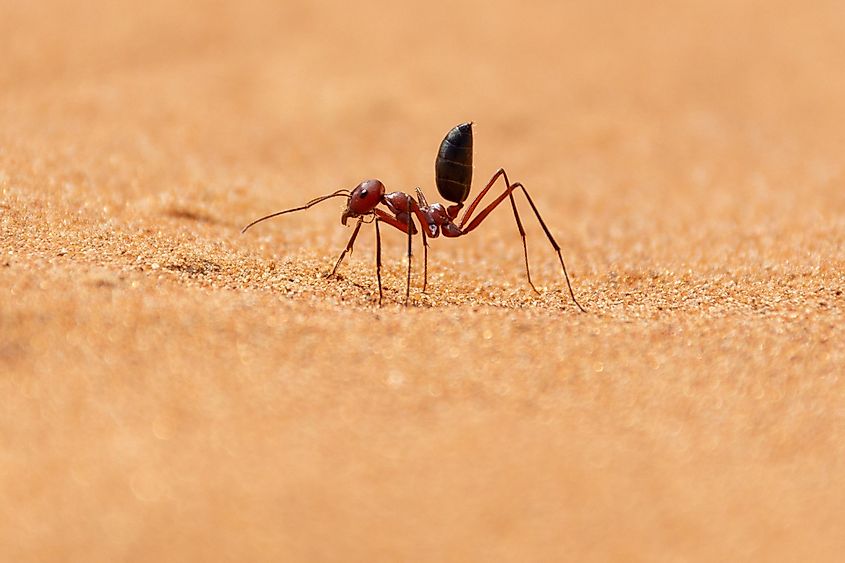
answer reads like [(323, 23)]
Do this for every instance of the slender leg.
[(424, 203), (348, 248), (425, 259), (408, 282), (554, 243), (378, 262), (522, 234), (501, 172), (405, 228), (508, 193), (471, 209)]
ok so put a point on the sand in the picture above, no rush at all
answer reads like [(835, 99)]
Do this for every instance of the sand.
[(174, 390)]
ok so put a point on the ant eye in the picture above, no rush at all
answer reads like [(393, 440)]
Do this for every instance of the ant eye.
[(362, 194)]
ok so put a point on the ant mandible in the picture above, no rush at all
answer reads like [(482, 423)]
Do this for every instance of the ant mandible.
[(453, 175)]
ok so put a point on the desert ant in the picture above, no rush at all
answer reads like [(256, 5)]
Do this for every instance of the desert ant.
[(453, 175)]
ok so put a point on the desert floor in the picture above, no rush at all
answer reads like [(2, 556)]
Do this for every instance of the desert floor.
[(173, 390)]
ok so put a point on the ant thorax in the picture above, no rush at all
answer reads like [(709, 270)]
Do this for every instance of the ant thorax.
[(436, 216)]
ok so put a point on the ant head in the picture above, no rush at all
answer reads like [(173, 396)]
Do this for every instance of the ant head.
[(363, 199)]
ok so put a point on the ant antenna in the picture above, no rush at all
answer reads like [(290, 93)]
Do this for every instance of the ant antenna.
[(338, 193)]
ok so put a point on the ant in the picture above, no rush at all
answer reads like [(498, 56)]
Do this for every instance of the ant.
[(453, 175)]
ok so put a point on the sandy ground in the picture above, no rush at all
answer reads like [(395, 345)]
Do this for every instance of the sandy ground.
[(173, 390)]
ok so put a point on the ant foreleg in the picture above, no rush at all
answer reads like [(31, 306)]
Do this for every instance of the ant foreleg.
[(348, 248)]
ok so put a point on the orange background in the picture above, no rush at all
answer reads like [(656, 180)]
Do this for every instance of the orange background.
[(173, 390)]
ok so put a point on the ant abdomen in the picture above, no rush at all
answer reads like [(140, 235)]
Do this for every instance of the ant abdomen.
[(453, 167)]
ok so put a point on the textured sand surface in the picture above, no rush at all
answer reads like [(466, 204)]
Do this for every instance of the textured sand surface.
[(173, 390)]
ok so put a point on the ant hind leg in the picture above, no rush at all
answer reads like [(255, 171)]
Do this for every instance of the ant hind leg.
[(509, 193), (552, 241), (508, 189), (524, 243)]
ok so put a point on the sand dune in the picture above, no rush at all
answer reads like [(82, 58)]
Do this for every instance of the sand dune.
[(174, 390)]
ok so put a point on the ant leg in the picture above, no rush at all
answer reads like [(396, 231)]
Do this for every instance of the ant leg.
[(508, 193), (407, 228), (421, 201), (524, 243), (378, 261), (410, 238), (471, 209), (348, 248), (425, 259), (501, 172), (554, 243)]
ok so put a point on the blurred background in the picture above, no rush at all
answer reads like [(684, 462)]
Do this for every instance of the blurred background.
[(682, 111), (177, 391)]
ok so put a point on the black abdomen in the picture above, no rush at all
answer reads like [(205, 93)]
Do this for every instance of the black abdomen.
[(453, 167)]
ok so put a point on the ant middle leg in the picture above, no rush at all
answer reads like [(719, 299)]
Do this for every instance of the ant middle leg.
[(425, 259), (424, 203), (408, 227)]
